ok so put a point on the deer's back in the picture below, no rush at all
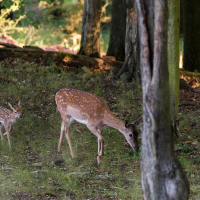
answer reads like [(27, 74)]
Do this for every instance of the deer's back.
[(4, 113), (81, 104)]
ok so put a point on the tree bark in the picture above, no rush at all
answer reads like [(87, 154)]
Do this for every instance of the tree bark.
[(116, 46), (131, 63), (173, 60), (90, 30), (162, 175), (191, 29)]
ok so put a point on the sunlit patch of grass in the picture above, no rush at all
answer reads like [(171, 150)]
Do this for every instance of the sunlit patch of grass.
[(104, 40), (41, 37)]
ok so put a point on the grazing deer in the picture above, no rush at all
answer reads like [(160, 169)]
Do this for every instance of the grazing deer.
[(7, 118), (89, 109)]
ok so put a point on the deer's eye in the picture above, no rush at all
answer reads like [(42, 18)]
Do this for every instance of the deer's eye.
[(130, 135)]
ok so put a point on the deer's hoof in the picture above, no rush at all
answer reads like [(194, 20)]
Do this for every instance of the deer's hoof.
[(99, 161)]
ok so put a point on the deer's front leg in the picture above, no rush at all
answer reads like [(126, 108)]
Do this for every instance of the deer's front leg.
[(10, 129), (97, 132)]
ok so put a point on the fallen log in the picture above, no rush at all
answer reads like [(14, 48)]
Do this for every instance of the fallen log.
[(184, 73), (61, 59)]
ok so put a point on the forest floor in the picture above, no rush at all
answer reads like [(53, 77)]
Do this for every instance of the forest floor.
[(34, 169)]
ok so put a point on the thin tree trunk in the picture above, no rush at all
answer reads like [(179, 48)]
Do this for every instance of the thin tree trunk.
[(191, 29), (162, 175), (173, 60), (116, 46), (131, 63), (90, 30), (181, 18)]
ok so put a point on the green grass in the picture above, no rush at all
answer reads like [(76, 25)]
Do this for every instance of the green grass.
[(37, 134)]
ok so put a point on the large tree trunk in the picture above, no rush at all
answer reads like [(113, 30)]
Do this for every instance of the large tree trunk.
[(90, 30), (173, 60), (116, 46), (191, 29), (162, 175), (131, 63)]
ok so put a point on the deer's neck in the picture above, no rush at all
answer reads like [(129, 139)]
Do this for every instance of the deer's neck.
[(111, 120), (11, 119)]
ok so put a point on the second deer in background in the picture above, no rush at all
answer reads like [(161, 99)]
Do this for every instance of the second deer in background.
[(7, 118)]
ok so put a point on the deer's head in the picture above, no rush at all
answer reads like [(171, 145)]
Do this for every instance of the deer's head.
[(17, 110), (131, 133)]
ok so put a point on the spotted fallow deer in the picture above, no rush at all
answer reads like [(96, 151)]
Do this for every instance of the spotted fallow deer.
[(89, 109), (7, 118)]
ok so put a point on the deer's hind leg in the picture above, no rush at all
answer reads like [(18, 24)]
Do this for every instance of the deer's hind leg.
[(65, 129), (68, 121)]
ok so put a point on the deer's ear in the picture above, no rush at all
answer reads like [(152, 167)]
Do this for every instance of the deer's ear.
[(19, 103), (126, 124), (11, 106), (136, 122)]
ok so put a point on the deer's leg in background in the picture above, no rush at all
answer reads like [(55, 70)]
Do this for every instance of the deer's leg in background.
[(8, 135), (10, 128)]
